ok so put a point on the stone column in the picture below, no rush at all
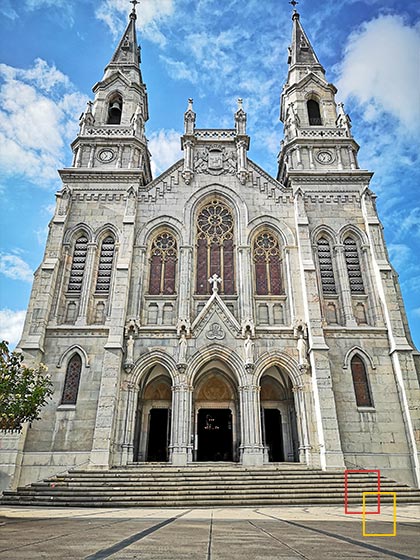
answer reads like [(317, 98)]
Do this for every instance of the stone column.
[(251, 448), (180, 447), (185, 279), (130, 404), (245, 286), (344, 286), (304, 446)]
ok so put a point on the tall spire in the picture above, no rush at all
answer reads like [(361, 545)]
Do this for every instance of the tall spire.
[(127, 53), (302, 57)]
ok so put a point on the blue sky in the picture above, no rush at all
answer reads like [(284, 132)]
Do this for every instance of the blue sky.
[(53, 51)]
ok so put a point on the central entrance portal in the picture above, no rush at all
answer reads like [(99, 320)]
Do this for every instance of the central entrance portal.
[(215, 442)]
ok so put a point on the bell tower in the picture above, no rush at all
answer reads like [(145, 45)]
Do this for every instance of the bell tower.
[(317, 135), (112, 128)]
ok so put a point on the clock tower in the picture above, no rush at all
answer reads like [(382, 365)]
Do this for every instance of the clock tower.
[(111, 135)]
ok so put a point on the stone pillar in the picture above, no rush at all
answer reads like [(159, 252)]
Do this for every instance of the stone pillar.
[(128, 437), (251, 448), (304, 446), (344, 286), (185, 279), (245, 286), (180, 447), (87, 283), (103, 437)]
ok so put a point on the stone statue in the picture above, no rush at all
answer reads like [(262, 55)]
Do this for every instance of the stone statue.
[(249, 348), (182, 347), (130, 350), (302, 348)]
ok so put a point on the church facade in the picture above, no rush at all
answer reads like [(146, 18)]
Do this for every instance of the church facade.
[(216, 313)]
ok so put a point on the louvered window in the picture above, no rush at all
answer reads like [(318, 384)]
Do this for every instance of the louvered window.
[(353, 266), (72, 380), (267, 262), (163, 264), (78, 265), (106, 259), (215, 253), (314, 113), (360, 382), (326, 267)]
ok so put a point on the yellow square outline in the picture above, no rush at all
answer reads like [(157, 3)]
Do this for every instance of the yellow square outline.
[(394, 494)]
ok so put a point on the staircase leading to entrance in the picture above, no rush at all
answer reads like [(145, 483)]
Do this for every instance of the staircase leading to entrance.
[(203, 485)]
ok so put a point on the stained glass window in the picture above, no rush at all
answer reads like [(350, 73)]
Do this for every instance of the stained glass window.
[(326, 266), (215, 248), (78, 265), (106, 259), (72, 380), (360, 382), (351, 254), (163, 264), (267, 262)]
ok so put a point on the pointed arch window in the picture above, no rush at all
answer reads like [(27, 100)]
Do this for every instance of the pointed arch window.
[(267, 263), (354, 271), (215, 247), (106, 259), (314, 113), (72, 380), (360, 382), (163, 264), (78, 265), (326, 266)]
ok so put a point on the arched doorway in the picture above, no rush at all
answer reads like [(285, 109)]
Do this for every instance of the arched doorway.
[(153, 421), (216, 420), (278, 417)]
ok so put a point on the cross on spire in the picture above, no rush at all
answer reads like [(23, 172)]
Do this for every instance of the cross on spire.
[(294, 3), (134, 2)]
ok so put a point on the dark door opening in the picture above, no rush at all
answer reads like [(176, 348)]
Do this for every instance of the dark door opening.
[(157, 445), (273, 434), (214, 435)]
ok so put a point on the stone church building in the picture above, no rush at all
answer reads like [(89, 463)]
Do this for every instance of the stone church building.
[(216, 313)]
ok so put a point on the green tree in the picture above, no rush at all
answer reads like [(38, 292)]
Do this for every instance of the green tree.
[(23, 390)]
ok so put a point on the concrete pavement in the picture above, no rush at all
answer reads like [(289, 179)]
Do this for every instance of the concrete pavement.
[(266, 533)]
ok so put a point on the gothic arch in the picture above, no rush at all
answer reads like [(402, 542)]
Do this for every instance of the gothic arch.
[(352, 231), (107, 229), (74, 349), (282, 360), (149, 230), (324, 231), (226, 195), (262, 222), (216, 352), (357, 350), (75, 230), (147, 361)]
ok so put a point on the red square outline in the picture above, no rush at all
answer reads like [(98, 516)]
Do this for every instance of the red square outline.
[(346, 510)]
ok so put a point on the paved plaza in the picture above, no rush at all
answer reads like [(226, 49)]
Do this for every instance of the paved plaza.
[(280, 533)]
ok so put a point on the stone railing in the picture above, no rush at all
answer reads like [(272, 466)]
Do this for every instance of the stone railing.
[(109, 130), (218, 134), (322, 133)]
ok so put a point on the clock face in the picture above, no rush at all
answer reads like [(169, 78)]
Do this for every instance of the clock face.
[(106, 155), (324, 157)]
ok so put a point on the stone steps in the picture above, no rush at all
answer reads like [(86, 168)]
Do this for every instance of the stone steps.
[(202, 486)]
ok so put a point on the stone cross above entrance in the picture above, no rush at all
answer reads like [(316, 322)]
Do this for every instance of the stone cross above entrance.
[(214, 280)]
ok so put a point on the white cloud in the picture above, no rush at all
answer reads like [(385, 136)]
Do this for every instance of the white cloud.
[(399, 254), (165, 148), (15, 268), (150, 14), (38, 117), (178, 70), (381, 69), (11, 325)]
